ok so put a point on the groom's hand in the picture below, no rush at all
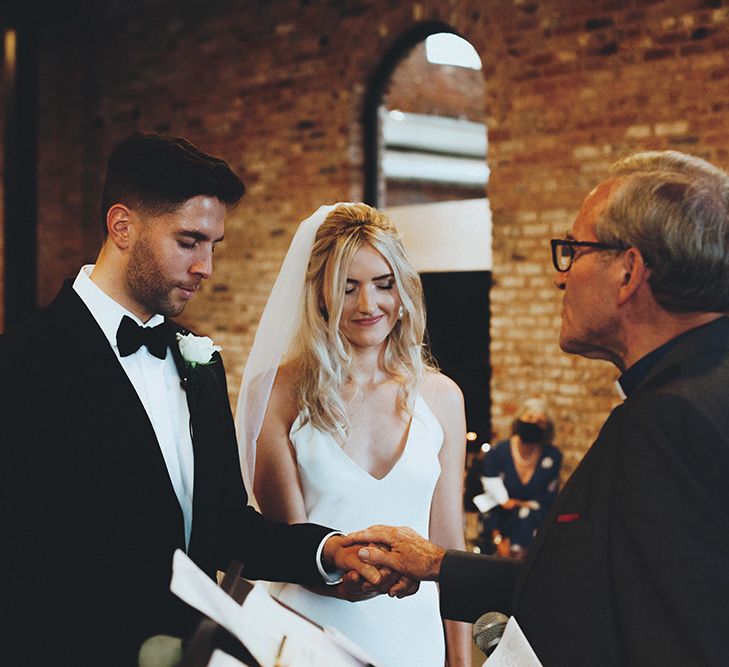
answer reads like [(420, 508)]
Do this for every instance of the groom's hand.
[(338, 556), (406, 552)]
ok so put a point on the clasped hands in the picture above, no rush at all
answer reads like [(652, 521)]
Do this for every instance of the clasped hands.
[(383, 559)]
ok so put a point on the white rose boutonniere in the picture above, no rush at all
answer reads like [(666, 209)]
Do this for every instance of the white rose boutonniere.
[(196, 350)]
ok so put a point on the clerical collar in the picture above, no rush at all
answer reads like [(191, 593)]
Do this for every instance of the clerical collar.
[(632, 377)]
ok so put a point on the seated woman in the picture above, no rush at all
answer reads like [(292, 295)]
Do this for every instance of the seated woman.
[(521, 480)]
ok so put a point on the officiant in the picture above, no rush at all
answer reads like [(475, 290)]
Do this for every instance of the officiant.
[(629, 567)]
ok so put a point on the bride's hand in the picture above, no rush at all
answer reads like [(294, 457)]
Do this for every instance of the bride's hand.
[(362, 580), (353, 588), (396, 585), (403, 587)]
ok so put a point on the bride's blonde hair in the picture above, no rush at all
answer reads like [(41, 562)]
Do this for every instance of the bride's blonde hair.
[(321, 354)]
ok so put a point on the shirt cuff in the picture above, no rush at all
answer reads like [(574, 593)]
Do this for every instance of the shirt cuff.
[(333, 578)]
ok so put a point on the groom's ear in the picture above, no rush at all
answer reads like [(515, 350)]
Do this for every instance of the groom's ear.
[(118, 218)]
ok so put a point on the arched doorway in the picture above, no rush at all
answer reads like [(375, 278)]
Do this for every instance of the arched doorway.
[(425, 149)]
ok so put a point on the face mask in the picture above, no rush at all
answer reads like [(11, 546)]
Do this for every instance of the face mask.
[(529, 432)]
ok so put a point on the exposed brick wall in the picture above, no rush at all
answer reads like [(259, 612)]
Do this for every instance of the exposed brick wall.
[(578, 85), (419, 86), (69, 171), (277, 87)]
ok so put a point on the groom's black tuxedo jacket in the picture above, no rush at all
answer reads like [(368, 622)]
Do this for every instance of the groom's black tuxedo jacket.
[(631, 566), (89, 517)]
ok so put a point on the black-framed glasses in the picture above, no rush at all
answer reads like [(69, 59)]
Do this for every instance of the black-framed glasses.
[(563, 251)]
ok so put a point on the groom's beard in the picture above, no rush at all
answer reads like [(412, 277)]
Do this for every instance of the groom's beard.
[(149, 286)]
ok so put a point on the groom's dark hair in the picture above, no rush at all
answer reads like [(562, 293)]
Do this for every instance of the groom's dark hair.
[(157, 173)]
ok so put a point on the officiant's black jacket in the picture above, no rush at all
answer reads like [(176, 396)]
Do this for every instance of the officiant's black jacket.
[(89, 517), (631, 566)]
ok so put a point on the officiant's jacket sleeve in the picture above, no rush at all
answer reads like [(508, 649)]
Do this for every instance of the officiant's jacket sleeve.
[(472, 584)]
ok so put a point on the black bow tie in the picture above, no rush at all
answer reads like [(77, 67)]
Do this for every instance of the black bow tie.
[(130, 337)]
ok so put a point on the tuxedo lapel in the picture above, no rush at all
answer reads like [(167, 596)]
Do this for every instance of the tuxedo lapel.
[(185, 372), (203, 390), (202, 383), (107, 390), (212, 440)]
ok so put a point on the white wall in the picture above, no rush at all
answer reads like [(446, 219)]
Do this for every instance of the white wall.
[(446, 236)]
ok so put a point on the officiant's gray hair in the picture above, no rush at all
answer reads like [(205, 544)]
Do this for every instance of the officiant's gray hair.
[(322, 354), (674, 208)]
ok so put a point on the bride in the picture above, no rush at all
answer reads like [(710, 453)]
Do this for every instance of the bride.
[(343, 421)]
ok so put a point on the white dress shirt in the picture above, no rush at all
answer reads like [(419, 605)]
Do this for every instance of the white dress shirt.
[(157, 384)]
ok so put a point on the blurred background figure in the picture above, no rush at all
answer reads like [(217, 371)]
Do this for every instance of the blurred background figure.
[(520, 478)]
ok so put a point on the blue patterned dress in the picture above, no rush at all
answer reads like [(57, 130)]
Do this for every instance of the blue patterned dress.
[(521, 523)]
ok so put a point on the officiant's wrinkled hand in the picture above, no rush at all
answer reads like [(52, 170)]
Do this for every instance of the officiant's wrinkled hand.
[(405, 551)]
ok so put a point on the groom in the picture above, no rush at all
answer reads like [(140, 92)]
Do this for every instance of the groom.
[(115, 448)]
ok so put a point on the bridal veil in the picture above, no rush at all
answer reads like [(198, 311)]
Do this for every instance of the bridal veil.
[(275, 334)]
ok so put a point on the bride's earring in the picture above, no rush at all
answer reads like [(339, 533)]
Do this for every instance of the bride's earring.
[(400, 313)]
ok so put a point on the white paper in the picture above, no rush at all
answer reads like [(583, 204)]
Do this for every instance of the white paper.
[(222, 659), (348, 645), (261, 623), (192, 585), (494, 494), (513, 650), (264, 622)]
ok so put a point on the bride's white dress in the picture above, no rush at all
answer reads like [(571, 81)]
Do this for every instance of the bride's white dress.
[(339, 493)]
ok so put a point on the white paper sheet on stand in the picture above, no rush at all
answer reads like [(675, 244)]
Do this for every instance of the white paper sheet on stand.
[(221, 659), (261, 623), (513, 650)]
